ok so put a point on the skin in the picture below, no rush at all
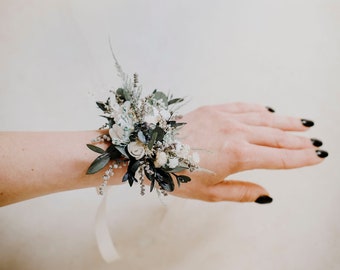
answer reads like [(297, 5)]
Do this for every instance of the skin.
[(235, 137)]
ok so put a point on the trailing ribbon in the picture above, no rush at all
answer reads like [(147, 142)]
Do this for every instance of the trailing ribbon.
[(104, 241)]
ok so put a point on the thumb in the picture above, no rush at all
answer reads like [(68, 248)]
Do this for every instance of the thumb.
[(239, 191)]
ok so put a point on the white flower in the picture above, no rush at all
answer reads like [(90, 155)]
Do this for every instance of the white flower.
[(173, 163), (136, 149), (151, 119), (161, 159), (116, 133)]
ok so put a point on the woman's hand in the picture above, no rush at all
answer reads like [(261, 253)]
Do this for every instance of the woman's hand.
[(237, 137)]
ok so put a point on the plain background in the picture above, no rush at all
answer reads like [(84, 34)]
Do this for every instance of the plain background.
[(55, 63)]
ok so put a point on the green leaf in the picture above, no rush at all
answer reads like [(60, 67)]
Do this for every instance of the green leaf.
[(177, 169), (161, 96), (183, 178), (160, 133), (174, 124), (99, 163), (120, 93), (153, 139), (175, 100), (110, 120), (164, 179), (113, 152), (101, 105), (123, 94), (121, 149), (95, 148)]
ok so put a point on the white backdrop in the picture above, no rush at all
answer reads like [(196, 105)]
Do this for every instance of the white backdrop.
[(55, 63)]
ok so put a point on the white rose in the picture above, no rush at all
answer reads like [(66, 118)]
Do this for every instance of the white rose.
[(136, 149), (161, 159)]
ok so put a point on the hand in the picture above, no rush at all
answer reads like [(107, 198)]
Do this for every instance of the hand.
[(237, 137)]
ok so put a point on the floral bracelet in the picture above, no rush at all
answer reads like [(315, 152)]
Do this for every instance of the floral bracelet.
[(142, 135)]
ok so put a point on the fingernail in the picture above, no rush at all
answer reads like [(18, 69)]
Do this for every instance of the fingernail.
[(307, 123), (270, 109), (321, 153), (316, 142), (264, 199)]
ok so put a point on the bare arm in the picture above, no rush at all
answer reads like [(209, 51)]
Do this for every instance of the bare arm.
[(237, 137), (39, 163)]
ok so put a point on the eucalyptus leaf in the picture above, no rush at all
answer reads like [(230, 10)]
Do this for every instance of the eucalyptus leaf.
[(99, 163), (161, 96), (120, 93), (160, 133), (164, 179), (101, 105), (95, 148), (175, 124), (177, 169), (123, 94), (152, 184), (130, 178), (175, 100), (133, 166), (125, 177), (153, 139), (113, 152), (183, 178), (121, 149)]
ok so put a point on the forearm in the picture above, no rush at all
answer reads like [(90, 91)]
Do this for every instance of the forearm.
[(39, 163)]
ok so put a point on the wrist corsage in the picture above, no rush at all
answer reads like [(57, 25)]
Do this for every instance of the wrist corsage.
[(142, 136)]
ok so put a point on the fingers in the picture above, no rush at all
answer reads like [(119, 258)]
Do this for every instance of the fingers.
[(238, 191), (240, 107), (266, 136), (275, 121), (262, 157)]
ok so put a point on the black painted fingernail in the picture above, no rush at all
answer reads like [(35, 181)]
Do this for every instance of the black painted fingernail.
[(264, 199), (316, 142), (307, 123), (270, 109), (321, 153)]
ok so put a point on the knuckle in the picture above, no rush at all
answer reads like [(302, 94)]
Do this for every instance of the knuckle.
[(265, 119), (283, 159), (237, 150), (233, 127), (280, 139)]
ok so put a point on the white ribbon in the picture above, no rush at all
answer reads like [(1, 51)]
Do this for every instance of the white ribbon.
[(103, 237)]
